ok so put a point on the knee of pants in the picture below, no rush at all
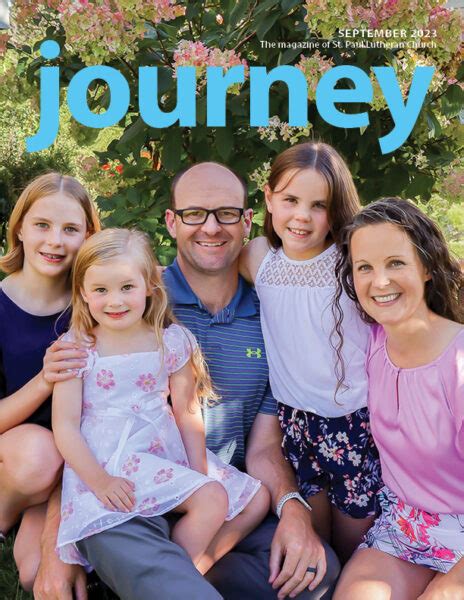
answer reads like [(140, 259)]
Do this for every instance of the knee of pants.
[(333, 568), (31, 460)]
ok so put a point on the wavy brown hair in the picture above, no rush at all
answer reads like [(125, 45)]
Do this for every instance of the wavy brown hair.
[(40, 187), (446, 281), (343, 200), (101, 249)]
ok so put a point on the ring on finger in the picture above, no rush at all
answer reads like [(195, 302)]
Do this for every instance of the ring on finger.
[(311, 570)]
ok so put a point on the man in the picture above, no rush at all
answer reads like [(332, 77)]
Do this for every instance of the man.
[(210, 298), (137, 559)]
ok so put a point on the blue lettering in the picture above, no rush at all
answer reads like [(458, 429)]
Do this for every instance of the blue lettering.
[(327, 96), (49, 101), (261, 81), (404, 115), (217, 84), (185, 110), (77, 96)]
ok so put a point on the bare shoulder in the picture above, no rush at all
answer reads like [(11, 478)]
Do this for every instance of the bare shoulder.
[(252, 256)]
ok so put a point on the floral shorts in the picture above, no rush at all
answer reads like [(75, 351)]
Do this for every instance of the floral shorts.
[(337, 454), (432, 540)]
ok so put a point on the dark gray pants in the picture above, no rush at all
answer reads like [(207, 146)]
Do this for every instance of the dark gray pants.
[(138, 561)]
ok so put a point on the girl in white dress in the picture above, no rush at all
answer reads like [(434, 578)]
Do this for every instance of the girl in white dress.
[(127, 452)]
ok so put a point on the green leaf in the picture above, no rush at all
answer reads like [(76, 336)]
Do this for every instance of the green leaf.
[(460, 73), (420, 186), (433, 124), (135, 129), (193, 10), (237, 14), (266, 24), (165, 80), (287, 5), (452, 101), (172, 149), (288, 56), (224, 142), (265, 6)]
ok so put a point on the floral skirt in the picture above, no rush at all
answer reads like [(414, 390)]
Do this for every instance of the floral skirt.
[(433, 540), (337, 454)]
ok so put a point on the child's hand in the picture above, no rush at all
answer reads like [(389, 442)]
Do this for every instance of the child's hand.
[(117, 493)]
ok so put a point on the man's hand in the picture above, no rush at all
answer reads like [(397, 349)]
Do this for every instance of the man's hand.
[(296, 547), (61, 358), (56, 580)]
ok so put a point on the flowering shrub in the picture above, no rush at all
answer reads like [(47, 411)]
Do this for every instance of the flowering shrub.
[(314, 67), (138, 166)]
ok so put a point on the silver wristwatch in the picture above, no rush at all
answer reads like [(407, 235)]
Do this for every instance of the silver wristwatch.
[(291, 496)]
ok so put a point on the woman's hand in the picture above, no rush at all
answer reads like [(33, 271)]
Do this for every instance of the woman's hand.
[(116, 493), (61, 360)]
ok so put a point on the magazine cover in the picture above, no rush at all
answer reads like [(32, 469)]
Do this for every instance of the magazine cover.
[(123, 95)]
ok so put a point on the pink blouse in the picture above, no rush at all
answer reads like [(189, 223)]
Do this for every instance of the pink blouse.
[(417, 420)]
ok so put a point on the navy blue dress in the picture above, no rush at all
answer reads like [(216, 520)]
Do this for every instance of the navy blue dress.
[(24, 339)]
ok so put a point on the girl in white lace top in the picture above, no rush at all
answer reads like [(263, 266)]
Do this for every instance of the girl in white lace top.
[(310, 196)]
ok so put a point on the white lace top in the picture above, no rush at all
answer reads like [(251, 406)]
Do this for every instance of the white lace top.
[(296, 317)]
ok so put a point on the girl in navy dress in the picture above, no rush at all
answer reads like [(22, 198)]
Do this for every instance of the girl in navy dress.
[(49, 222)]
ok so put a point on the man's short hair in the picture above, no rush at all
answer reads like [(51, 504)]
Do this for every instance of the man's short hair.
[(181, 173)]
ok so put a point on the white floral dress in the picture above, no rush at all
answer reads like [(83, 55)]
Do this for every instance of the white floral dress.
[(129, 426)]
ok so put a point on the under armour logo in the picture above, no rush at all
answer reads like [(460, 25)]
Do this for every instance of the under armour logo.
[(250, 352)]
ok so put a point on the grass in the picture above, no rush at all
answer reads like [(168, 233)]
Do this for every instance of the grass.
[(9, 583), (10, 588)]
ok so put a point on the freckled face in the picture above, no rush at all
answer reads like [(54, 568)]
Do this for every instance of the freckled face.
[(298, 206), (388, 276)]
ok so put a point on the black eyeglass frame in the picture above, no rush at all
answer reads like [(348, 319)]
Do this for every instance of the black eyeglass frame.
[(208, 211)]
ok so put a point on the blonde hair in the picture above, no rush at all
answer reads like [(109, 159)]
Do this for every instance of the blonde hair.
[(107, 245), (40, 187)]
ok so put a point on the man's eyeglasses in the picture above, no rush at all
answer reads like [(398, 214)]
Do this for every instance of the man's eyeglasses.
[(225, 215)]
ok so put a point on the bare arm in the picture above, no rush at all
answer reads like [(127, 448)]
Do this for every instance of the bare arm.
[(17, 407), (187, 413), (114, 492), (252, 256), (295, 546)]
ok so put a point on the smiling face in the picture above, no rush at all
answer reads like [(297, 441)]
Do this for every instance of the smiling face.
[(116, 293), (52, 231), (209, 248), (388, 276), (298, 206)]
